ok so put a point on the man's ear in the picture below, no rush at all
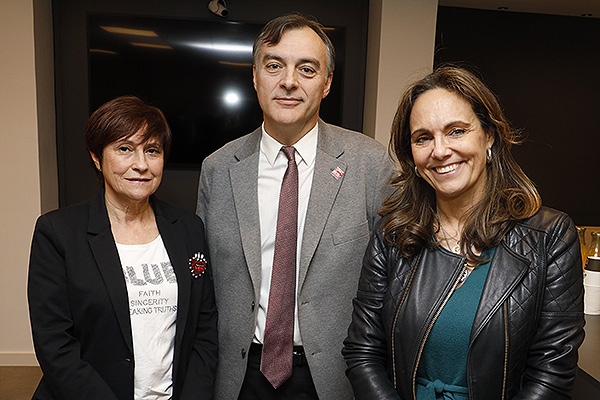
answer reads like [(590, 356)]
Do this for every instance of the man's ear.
[(327, 85)]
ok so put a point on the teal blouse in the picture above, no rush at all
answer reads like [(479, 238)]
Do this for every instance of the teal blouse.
[(442, 371)]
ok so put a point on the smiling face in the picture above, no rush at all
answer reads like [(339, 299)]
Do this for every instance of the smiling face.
[(449, 146), (132, 168), (291, 80)]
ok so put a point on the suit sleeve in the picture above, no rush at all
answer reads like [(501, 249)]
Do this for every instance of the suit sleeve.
[(203, 191), (380, 188), (57, 350), (365, 348), (552, 360)]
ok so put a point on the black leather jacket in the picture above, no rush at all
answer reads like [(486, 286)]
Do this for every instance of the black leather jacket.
[(526, 333)]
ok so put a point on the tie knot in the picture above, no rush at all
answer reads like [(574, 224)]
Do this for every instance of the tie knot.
[(289, 152)]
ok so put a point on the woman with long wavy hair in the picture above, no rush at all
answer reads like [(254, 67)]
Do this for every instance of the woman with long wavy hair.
[(469, 288)]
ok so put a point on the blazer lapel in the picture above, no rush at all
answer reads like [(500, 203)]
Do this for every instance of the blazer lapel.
[(175, 243), (244, 183), (327, 180), (107, 258), (506, 271)]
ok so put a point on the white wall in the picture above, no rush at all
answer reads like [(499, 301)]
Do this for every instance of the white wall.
[(400, 49), (19, 176), (401, 43)]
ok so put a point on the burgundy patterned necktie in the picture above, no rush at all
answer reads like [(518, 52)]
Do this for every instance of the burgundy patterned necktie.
[(276, 359)]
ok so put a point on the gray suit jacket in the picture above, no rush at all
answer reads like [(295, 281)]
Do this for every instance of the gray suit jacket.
[(341, 213)]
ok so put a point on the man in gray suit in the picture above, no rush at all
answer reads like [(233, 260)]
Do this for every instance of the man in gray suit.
[(340, 178)]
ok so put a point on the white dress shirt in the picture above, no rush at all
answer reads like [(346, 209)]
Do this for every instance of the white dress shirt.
[(272, 165)]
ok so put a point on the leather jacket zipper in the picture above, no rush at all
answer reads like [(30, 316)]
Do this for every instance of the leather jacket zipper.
[(505, 309), (430, 327), (412, 275)]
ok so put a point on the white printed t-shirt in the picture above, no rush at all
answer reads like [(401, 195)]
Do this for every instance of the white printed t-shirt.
[(152, 293)]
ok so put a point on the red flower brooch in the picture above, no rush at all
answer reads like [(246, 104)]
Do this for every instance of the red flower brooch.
[(198, 265)]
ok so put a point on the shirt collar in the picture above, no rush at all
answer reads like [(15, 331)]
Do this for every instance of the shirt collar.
[(306, 147)]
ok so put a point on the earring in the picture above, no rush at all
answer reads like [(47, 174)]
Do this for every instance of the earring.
[(417, 172), (488, 155)]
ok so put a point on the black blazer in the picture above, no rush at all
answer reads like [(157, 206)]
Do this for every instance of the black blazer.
[(79, 309)]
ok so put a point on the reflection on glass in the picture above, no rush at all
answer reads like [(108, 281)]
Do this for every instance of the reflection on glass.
[(231, 98), (232, 48), (199, 72)]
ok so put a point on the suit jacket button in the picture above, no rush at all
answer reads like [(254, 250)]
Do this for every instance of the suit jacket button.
[(253, 305), (243, 353)]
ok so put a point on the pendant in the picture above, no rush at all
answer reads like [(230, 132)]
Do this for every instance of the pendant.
[(463, 275)]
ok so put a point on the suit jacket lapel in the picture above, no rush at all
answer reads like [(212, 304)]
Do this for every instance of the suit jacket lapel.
[(107, 258), (176, 244), (244, 183), (325, 187), (506, 271)]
